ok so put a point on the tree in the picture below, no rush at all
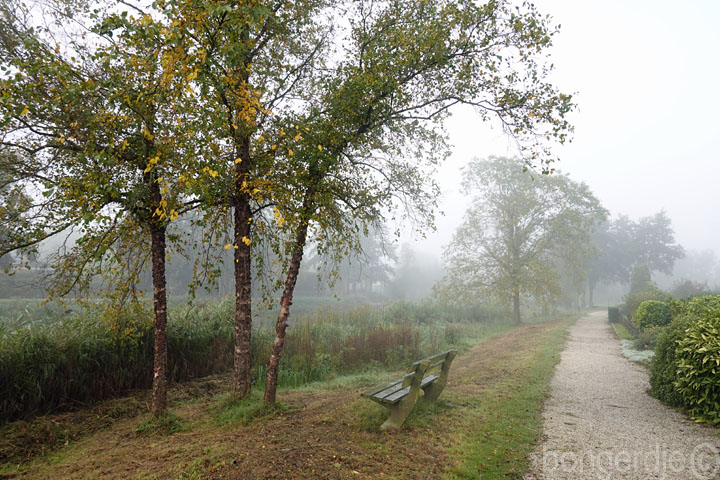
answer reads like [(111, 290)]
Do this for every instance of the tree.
[(622, 245), (514, 231), (654, 243), (640, 278), (15, 210), (251, 63), (100, 127), (612, 258), (388, 96)]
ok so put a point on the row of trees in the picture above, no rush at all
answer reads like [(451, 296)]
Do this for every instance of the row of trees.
[(545, 237), (273, 117), (623, 246)]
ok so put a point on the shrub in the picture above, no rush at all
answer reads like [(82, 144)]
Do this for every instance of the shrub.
[(647, 339), (685, 288), (677, 308), (634, 299), (698, 360), (663, 368), (652, 313), (613, 314)]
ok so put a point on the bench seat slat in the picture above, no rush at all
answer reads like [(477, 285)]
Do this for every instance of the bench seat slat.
[(395, 396), (375, 391), (389, 391), (427, 380), (398, 394)]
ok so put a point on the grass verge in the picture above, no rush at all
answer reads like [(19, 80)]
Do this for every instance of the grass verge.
[(503, 420), (622, 332)]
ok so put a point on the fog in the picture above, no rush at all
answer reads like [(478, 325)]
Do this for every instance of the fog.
[(644, 75), (645, 78)]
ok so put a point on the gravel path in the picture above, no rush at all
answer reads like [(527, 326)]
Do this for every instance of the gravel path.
[(600, 424)]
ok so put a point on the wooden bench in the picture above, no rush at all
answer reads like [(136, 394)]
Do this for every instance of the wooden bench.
[(400, 396)]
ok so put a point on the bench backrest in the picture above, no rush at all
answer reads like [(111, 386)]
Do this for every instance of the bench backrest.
[(439, 362)]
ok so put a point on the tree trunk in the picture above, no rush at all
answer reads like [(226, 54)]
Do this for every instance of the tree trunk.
[(242, 361), (281, 325), (287, 296), (159, 384), (516, 306)]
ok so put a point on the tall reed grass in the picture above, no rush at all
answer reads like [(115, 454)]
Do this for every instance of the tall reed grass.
[(78, 359)]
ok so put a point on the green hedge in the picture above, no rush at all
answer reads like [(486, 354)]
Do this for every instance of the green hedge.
[(663, 368), (685, 371), (634, 299), (698, 361), (652, 313)]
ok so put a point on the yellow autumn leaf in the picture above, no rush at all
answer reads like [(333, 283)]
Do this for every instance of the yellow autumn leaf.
[(25, 111), (246, 241), (320, 147), (228, 246), (146, 133)]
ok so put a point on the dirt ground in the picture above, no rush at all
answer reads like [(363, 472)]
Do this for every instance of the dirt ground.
[(328, 432)]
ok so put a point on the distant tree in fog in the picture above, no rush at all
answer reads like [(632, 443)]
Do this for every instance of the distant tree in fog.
[(415, 274), (517, 229), (640, 278), (623, 244)]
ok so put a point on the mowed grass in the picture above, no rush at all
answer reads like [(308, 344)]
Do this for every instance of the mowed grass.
[(504, 421), (622, 332), (486, 422)]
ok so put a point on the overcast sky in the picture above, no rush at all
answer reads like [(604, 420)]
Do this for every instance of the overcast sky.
[(647, 80)]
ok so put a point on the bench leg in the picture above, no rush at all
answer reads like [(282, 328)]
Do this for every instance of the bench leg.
[(399, 412), (433, 391)]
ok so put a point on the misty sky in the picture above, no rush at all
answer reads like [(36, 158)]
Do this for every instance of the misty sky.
[(647, 80)]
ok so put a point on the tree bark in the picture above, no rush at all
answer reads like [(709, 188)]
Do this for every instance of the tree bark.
[(285, 303), (159, 384), (286, 299), (242, 362), (516, 305)]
